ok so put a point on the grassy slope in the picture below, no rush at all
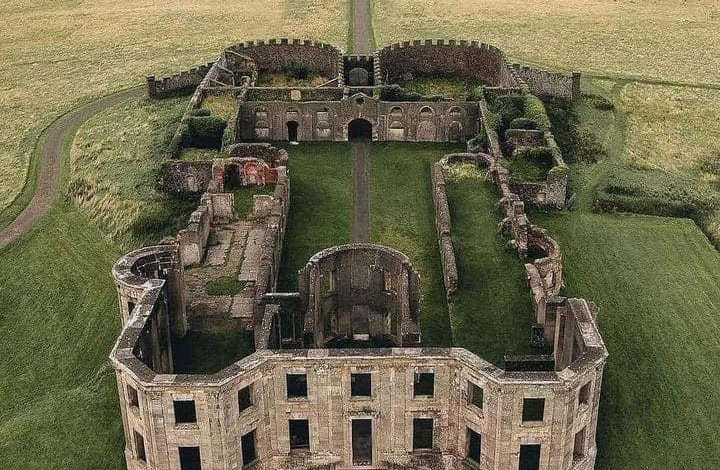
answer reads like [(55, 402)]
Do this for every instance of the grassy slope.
[(58, 322), (491, 312), (320, 204), (57, 54), (401, 216), (657, 283)]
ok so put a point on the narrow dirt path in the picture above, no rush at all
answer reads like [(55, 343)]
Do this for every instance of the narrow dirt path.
[(362, 32), (51, 155), (361, 198)]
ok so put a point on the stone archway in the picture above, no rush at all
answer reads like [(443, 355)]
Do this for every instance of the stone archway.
[(360, 129)]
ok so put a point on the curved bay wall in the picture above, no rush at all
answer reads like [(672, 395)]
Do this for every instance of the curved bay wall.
[(446, 58)]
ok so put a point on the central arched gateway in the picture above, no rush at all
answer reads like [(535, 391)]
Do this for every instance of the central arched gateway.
[(359, 129)]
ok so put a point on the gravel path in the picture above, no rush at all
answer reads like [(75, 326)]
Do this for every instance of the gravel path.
[(51, 155), (362, 39), (361, 198)]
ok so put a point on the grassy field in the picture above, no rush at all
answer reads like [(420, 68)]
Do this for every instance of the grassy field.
[(59, 320), (657, 284), (402, 217), (663, 39), (57, 54), (320, 204), (491, 313)]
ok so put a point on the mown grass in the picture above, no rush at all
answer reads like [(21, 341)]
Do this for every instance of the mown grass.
[(657, 284), (59, 320), (210, 350), (402, 217), (456, 88), (57, 54), (320, 204), (244, 198), (491, 313)]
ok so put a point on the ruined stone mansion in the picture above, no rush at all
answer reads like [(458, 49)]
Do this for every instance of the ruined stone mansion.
[(337, 376)]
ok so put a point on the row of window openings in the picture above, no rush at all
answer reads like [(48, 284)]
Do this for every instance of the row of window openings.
[(299, 434), (361, 386)]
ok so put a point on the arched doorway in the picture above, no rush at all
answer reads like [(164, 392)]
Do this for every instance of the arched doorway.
[(359, 129), (292, 128)]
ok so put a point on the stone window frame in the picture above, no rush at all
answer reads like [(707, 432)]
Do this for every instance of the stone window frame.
[(411, 431), (422, 370), (466, 448), (184, 397), (300, 417), (140, 454), (530, 441), (584, 395), (255, 448), (471, 381), (373, 429), (251, 395), (362, 370), (296, 371), (133, 398), (578, 456), (532, 423)]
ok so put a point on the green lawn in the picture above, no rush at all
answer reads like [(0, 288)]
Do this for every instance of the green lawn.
[(58, 321), (402, 217), (657, 284), (491, 313), (320, 204)]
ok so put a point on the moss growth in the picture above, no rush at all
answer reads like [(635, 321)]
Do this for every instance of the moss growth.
[(225, 286)]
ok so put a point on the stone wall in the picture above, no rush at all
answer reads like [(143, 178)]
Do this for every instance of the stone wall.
[(443, 229), (270, 55), (446, 58), (179, 83), (401, 121), (185, 176), (294, 94), (546, 83)]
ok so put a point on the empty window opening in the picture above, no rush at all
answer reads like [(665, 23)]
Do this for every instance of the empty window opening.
[(190, 458), (247, 443), (474, 443), (579, 447), (296, 386), (132, 397), (131, 307), (533, 409), (529, 457), (139, 446), (244, 399), (424, 384), (185, 411), (299, 434), (292, 128), (361, 442), (360, 385), (359, 129), (422, 433), (387, 280), (584, 395), (476, 395)]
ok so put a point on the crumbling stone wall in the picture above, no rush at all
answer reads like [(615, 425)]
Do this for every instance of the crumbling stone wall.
[(360, 290), (451, 58), (328, 120), (185, 176), (270, 55), (178, 83), (546, 83)]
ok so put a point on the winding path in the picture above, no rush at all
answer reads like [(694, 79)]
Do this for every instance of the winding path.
[(51, 156)]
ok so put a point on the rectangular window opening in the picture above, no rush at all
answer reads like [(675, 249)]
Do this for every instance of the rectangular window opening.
[(190, 458), (139, 446), (244, 399), (299, 434), (529, 457), (132, 396), (579, 447), (362, 442), (360, 385), (584, 395), (422, 433), (185, 411), (476, 395), (474, 443), (247, 443), (424, 384), (533, 409), (297, 386)]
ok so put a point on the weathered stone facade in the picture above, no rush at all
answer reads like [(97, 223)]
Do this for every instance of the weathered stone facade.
[(335, 381)]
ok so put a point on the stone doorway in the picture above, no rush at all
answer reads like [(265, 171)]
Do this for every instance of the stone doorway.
[(359, 129), (361, 442), (292, 130)]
